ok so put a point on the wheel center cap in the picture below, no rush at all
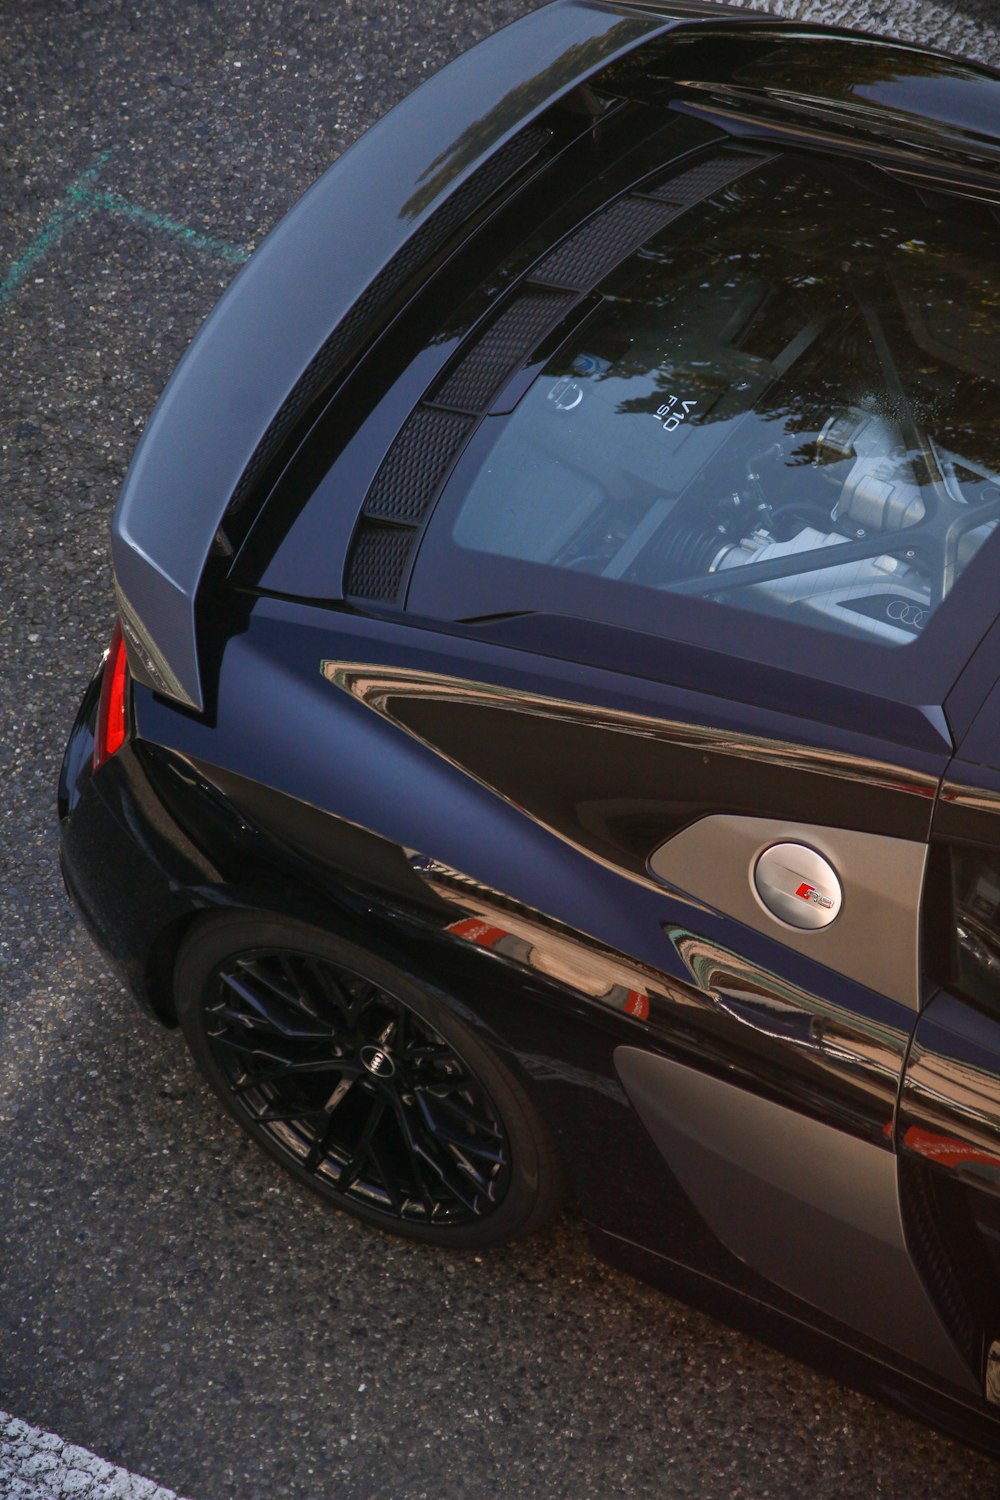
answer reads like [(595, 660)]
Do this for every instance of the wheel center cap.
[(378, 1061)]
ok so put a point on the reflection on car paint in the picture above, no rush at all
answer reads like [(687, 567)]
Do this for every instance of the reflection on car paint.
[(815, 1055), (387, 689), (518, 933), (800, 1048), (950, 1105)]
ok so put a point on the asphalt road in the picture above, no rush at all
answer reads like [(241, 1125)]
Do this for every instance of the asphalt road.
[(169, 1299)]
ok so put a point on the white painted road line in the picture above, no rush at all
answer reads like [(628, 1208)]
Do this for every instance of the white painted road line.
[(37, 1465)]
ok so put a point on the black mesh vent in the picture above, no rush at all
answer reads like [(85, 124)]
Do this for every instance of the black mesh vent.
[(706, 178), (922, 1221), (416, 464), (503, 349), (452, 214), (378, 560), (588, 255)]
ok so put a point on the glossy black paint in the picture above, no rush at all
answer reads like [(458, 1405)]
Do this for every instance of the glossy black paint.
[(477, 800), (227, 840), (260, 846)]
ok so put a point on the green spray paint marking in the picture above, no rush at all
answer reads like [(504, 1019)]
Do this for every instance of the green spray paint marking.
[(114, 203), (82, 199), (74, 207)]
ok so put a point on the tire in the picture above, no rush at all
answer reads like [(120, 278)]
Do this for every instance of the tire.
[(362, 1084)]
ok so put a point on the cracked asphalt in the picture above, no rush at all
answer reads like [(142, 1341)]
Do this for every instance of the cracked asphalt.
[(168, 1299)]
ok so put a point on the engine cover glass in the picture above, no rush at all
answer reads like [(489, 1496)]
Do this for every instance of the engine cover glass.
[(784, 403)]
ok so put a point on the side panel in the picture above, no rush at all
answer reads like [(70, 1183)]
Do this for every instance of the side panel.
[(815, 1213), (949, 1153), (948, 1130), (716, 859), (533, 814)]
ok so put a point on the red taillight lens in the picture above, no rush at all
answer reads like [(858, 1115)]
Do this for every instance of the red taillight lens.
[(112, 722)]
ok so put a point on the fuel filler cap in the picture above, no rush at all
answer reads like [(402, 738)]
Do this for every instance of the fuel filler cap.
[(798, 886)]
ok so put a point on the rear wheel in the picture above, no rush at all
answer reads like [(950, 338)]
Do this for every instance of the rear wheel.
[(364, 1085)]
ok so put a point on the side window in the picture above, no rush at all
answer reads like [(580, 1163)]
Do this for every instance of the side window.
[(975, 881)]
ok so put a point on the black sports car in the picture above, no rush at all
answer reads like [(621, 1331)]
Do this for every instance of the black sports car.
[(550, 740)]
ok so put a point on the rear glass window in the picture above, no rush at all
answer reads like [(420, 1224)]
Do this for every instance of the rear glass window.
[(785, 403)]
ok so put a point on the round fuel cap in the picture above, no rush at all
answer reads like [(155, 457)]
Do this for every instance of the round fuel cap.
[(798, 886)]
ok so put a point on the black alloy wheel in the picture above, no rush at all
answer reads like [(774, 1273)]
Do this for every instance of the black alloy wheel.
[(361, 1083)]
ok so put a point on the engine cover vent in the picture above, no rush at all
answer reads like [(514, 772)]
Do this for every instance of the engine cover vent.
[(453, 214), (594, 250), (416, 464), (378, 560), (502, 349), (704, 179)]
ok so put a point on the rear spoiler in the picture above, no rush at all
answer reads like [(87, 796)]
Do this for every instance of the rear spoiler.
[(299, 285)]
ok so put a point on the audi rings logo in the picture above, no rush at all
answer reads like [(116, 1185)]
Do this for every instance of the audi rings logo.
[(378, 1061), (565, 394), (902, 612)]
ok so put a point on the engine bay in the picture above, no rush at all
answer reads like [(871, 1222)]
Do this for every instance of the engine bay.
[(766, 414), (764, 541)]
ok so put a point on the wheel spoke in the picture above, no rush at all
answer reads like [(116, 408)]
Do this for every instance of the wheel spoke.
[(468, 1187), (272, 1014), (415, 1159), (457, 1146), (339, 1092), (284, 984), (334, 990), (265, 1051), (298, 1069), (385, 1178), (466, 1144), (440, 1163), (293, 979), (351, 1169), (321, 1145), (418, 1053), (444, 1088), (449, 1102), (273, 1116)]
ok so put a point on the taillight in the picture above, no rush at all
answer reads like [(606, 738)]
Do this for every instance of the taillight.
[(112, 719)]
